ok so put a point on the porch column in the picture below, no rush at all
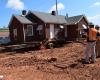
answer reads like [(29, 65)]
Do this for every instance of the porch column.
[(65, 31), (24, 33), (52, 31)]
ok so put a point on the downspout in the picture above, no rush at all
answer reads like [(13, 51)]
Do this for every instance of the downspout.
[(24, 33)]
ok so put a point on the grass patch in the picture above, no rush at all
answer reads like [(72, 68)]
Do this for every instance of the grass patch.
[(4, 30)]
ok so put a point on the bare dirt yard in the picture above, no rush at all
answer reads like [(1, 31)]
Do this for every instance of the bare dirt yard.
[(4, 33), (51, 64)]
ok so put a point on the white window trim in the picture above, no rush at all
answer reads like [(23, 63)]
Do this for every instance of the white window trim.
[(32, 29)]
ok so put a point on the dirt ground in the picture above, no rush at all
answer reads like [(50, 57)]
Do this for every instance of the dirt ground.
[(4, 33), (55, 64)]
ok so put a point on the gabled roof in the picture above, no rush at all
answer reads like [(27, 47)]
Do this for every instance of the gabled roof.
[(58, 19), (48, 18), (22, 19), (74, 19)]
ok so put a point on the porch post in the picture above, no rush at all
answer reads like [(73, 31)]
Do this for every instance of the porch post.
[(65, 31), (52, 31), (24, 33), (46, 31)]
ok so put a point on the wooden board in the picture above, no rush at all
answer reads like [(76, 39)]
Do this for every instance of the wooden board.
[(61, 65)]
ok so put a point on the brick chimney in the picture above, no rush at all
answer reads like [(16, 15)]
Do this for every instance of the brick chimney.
[(24, 12), (53, 13)]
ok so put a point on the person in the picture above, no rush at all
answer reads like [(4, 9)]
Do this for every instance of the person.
[(98, 41), (90, 46)]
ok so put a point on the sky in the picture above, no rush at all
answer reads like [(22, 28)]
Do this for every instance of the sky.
[(90, 8)]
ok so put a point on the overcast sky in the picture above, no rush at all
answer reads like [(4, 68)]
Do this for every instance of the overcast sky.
[(90, 8)]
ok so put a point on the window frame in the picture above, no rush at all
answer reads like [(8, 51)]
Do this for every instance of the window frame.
[(40, 29), (28, 30)]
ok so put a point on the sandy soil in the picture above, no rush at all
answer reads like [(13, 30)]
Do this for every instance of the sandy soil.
[(4, 34), (55, 64)]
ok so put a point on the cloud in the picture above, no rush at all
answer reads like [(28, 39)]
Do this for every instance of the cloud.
[(96, 4), (95, 19), (15, 4), (60, 7)]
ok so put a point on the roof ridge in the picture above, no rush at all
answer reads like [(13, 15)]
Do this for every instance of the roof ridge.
[(75, 16), (46, 13), (39, 12)]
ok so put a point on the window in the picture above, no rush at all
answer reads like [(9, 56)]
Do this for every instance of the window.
[(40, 29), (15, 33), (29, 30)]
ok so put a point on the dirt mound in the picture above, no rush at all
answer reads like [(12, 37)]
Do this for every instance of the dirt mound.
[(51, 64)]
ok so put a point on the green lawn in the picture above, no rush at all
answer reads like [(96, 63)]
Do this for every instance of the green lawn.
[(4, 30)]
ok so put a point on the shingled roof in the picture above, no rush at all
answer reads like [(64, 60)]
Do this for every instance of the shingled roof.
[(23, 19), (58, 19), (74, 19), (48, 18)]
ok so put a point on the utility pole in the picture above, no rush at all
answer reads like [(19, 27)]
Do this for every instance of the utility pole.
[(56, 7)]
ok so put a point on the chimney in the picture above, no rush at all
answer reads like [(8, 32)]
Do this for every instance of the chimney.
[(23, 12), (53, 13)]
